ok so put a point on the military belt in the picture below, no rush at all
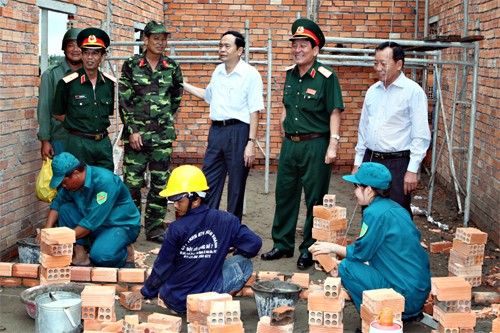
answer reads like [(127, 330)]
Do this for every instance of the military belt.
[(305, 137), (96, 137), (388, 156)]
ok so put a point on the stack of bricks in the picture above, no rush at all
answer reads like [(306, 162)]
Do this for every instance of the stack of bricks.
[(281, 321), (56, 253), (375, 300), (155, 323), (326, 308), (212, 312), (467, 254), (98, 305), (329, 225), (452, 305)]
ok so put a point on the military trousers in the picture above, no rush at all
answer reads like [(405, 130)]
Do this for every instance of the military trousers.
[(135, 164), (93, 152), (301, 165)]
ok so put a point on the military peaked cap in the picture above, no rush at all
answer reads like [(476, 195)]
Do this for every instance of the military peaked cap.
[(305, 28), (93, 38)]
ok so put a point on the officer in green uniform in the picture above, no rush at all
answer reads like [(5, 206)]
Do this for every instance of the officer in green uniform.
[(84, 100), (150, 92), (51, 132), (310, 124)]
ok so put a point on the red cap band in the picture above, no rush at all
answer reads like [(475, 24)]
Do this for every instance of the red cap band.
[(301, 31)]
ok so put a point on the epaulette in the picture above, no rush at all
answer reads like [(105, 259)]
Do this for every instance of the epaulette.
[(290, 67), (326, 72), (109, 76), (70, 77)]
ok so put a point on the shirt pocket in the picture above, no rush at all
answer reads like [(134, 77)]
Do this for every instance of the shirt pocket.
[(107, 106), (313, 103)]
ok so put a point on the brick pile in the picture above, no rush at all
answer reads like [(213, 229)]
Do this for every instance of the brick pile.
[(155, 323), (467, 254), (375, 300), (98, 304), (212, 312), (329, 225), (452, 305), (56, 253), (326, 308)]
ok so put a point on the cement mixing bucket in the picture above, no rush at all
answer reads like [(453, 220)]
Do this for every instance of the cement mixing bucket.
[(29, 251), (270, 295), (58, 312)]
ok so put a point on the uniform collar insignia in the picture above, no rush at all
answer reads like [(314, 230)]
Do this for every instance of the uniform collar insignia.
[(142, 62), (313, 73), (165, 63), (82, 79)]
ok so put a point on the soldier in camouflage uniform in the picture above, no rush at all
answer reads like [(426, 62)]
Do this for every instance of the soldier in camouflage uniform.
[(150, 92)]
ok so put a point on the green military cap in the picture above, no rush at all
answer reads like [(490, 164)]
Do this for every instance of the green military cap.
[(93, 38), (155, 27), (305, 28)]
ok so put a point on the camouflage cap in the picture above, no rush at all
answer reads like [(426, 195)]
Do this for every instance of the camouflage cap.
[(155, 27), (305, 28), (93, 38)]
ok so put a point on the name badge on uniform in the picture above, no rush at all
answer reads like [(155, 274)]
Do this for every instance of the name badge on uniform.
[(311, 91), (80, 96)]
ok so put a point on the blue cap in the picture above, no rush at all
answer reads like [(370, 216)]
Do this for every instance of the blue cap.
[(61, 165), (371, 174)]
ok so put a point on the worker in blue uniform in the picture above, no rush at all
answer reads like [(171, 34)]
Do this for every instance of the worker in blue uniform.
[(387, 253), (192, 258), (97, 205)]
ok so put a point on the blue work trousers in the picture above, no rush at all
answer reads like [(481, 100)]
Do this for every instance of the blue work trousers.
[(358, 277), (109, 245), (224, 157)]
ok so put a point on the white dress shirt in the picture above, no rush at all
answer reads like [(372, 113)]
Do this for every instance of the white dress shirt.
[(394, 119), (237, 95)]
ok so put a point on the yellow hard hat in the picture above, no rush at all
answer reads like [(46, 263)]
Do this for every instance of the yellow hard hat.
[(185, 179)]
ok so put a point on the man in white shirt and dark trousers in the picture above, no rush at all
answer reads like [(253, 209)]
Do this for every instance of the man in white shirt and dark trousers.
[(393, 129), (235, 95)]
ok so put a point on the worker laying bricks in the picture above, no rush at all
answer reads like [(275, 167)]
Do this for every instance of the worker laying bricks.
[(192, 258), (388, 241), (97, 205)]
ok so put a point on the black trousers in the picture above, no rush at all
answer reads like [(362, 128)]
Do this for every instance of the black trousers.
[(224, 157), (397, 166)]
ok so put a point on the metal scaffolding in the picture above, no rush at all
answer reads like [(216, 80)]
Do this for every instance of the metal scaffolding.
[(423, 55), (208, 50)]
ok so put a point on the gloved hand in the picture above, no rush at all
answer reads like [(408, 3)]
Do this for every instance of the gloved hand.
[(133, 297)]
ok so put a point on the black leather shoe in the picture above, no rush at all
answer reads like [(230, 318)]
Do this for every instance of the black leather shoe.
[(305, 261), (276, 253)]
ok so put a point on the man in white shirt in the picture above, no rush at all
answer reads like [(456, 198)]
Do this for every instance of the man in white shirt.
[(393, 129), (235, 95)]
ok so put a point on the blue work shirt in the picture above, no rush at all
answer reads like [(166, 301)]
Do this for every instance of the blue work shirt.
[(390, 242), (104, 201), (193, 252)]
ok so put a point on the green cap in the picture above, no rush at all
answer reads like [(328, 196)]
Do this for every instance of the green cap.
[(305, 28), (155, 27), (61, 165), (93, 38), (371, 174)]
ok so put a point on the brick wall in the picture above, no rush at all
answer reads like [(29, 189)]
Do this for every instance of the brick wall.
[(21, 213), (485, 186)]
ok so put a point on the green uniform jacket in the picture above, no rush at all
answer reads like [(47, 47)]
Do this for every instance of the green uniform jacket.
[(311, 99), (85, 110), (149, 99), (49, 128)]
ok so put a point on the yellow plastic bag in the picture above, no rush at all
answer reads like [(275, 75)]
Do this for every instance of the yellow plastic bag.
[(42, 189)]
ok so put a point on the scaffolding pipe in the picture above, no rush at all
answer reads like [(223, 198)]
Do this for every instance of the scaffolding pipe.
[(472, 128), (268, 115)]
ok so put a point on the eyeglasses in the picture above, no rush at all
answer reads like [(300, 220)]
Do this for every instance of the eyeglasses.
[(176, 197)]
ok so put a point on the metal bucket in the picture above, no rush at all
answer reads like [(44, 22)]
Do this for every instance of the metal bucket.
[(29, 251), (270, 295), (58, 312)]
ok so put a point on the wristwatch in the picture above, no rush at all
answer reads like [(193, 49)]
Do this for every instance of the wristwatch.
[(335, 136)]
